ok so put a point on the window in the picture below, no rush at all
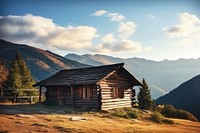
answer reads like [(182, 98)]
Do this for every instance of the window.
[(118, 93), (87, 93)]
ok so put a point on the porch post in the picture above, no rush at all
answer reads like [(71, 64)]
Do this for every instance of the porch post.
[(1, 91), (40, 94), (72, 96)]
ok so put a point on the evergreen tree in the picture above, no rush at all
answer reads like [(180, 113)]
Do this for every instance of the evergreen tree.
[(14, 80), (144, 96), (3, 73), (26, 78), (19, 78)]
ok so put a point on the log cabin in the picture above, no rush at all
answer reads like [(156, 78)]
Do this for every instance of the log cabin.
[(98, 88)]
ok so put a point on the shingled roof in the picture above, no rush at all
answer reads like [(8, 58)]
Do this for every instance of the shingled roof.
[(88, 75)]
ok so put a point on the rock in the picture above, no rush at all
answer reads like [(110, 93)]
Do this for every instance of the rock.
[(25, 116), (42, 112), (145, 111), (78, 118), (135, 120), (60, 112)]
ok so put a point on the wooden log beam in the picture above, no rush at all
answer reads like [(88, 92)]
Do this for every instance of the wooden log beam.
[(40, 94), (72, 96)]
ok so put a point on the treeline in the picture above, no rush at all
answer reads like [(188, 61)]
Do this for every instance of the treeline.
[(17, 81)]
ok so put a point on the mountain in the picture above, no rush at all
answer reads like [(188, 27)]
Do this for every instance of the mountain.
[(41, 63), (186, 96), (161, 76)]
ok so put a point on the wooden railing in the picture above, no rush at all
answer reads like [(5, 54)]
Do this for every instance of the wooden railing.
[(19, 99)]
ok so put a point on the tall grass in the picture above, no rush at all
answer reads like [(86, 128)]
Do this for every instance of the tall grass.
[(159, 118), (170, 111), (129, 113)]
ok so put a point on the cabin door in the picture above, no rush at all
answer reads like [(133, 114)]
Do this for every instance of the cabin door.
[(61, 96)]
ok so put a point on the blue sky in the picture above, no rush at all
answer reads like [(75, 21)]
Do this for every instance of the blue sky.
[(152, 29)]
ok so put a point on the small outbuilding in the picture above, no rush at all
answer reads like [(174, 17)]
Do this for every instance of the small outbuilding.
[(100, 88)]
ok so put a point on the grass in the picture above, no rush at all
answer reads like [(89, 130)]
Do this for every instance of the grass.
[(39, 124), (4, 131), (129, 113), (118, 120), (159, 118), (66, 130), (171, 112)]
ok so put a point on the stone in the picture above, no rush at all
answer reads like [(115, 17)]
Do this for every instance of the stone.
[(78, 118)]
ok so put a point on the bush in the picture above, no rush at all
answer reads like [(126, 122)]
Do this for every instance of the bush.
[(159, 118), (129, 113), (170, 111)]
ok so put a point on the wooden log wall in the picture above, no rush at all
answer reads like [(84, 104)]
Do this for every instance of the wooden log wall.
[(117, 80), (51, 95), (92, 102), (108, 102)]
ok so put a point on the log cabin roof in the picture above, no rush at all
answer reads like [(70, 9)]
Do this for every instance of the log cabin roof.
[(90, 75)]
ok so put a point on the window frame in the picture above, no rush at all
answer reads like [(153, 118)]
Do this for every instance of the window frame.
[(86, 92), (118, 93)]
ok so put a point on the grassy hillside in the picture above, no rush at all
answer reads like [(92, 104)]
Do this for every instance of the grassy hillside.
[(41, 63), (40, 118)]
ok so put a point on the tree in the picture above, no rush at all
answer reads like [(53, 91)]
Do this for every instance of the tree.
[(19, 78), (144, 96), (3, 73), (26, 78)]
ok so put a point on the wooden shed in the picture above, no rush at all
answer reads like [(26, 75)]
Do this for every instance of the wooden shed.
[(100, 88)]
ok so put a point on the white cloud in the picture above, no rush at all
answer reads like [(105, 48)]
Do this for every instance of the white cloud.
[(119, 47), (147, 49), (72, 38), (187, 30), (189, 25), (26, 26), (40, 30), (44, 33), (150, 16), (100, 13), (116, 17), (126, 29), (109, 38)]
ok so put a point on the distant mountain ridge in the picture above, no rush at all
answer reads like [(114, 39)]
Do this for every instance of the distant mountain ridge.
[(161, 76), (186, 96), (41, 63)]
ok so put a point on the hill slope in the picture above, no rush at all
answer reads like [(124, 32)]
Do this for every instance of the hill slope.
[(161, 76), (186, 96), (29, 118), (41, 63)]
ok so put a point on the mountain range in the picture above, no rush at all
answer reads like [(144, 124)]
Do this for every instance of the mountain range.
[(42, 63), (186, 96), (161, 76)]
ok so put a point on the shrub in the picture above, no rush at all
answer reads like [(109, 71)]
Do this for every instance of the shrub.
[(170, 111), (159, 118), (128, 113)]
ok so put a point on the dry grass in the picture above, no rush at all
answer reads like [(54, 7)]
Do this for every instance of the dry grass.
[(96, 123), (61, 123)]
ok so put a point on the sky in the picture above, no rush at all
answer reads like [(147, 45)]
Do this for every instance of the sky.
[(151, 29)]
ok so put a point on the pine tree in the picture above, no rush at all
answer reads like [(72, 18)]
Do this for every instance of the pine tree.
[(144, 96), (26, 78), (19, 78), (3, 73), (14, 80)]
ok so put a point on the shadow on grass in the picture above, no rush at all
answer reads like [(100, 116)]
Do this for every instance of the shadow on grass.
[(40, 108)]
